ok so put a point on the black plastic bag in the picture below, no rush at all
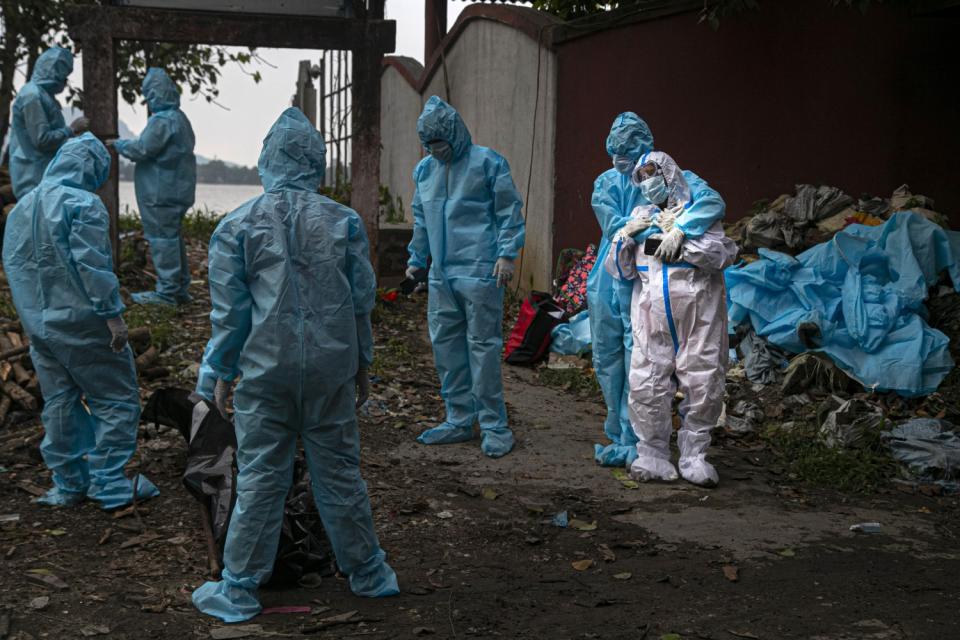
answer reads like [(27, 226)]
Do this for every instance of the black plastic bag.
[(210, 475)]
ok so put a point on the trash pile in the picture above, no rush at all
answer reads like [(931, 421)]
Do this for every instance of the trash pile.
[(846, 320)]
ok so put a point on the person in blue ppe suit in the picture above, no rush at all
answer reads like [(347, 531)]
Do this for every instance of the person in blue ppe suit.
[(37, 127), (292, 289), (57, 257), (467, 220), (165, 179), (614, 197)]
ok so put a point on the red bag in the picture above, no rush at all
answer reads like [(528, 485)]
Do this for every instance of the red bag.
[(530, 337)]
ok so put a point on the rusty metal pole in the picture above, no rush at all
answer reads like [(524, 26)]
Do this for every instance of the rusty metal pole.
[(365, 169), (434, 26), (100, 106)]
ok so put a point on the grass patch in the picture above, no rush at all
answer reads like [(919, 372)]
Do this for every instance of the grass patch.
[(7, 308), (198, 223), (809, 460), (579, 381), (161, 319), (391, 355)]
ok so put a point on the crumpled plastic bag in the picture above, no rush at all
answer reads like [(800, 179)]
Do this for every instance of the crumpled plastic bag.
[(811, 204), (572, 338), (929, 449), (849, 425)]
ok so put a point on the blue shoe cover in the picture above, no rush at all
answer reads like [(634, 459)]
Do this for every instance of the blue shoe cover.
[(496, 443), (228, 603), (119, 493), (379, 582), (57, 497), (152, 297), (446, 433), (614, 455)]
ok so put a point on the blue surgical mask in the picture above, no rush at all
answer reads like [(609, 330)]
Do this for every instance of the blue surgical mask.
[(624, 164), (654, 190), (441, 150)]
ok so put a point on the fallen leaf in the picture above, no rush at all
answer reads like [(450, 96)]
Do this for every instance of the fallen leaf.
[(788, 553), (607, 553), (444, 515), (423, 631), (489, 494), (624, 478), (581, 525), (743, 634), (626, 575), (40, 603), (236, 631), (98, 630), (44, 577), (342, 617), (56, 532), (582, 565), (731, 572), (139, 540)]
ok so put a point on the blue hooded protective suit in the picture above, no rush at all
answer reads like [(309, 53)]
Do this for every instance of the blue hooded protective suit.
[(292, 289), (165, 180), (56, 254), (37, 128), (614, 197), (466, 216)]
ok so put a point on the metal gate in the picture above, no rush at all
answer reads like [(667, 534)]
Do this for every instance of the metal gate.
[(336, 118)]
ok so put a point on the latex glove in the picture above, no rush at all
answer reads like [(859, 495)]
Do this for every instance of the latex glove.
[(635, 225), (220, 393), (668, 218), (363, 386), (670, 246), (79, 125), (503, 271), (118, 333), (411, 272)]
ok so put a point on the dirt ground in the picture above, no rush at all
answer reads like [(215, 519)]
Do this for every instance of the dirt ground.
[(474, 544)]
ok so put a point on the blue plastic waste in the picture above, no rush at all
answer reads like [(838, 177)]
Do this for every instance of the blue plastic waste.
[(864, 289), (572, 338)]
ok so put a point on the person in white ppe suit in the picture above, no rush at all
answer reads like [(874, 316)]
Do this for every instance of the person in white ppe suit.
[(679, 320)]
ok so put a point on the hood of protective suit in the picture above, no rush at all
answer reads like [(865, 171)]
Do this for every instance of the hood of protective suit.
[(440, 121), (82, 162), (629, 136), (52, 69), (160, 91), (678, 190), (293, 155)]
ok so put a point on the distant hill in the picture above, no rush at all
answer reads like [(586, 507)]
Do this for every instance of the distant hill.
[(212, 170)]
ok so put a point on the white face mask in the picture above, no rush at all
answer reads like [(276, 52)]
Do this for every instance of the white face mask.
[(441, 150), (623, 164)]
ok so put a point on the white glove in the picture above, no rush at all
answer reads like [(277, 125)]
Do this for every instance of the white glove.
[(411, 272), (363, 386), (503, 271), (635, 225), (668, 218), (118, 333), (79, 125), (220, 393), (670, 247)]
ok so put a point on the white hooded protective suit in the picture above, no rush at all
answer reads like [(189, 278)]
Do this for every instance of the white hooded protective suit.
[(679, 321)]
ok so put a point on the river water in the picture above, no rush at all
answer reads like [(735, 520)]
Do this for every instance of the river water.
[(216, 198)]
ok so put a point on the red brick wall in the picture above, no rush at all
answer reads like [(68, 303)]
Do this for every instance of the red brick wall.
[(797, 92)]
